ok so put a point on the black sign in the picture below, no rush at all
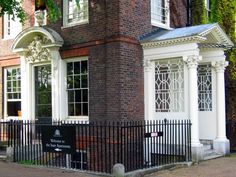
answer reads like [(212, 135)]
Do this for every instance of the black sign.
[(60, 139), (153, 134)]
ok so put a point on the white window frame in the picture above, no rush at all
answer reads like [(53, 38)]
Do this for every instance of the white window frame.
[(66, 14), (80, 118), (202, 104), (5, 95), (10, 27), (154, 20)]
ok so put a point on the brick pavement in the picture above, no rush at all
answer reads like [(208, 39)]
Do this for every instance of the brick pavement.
[(221, 167)]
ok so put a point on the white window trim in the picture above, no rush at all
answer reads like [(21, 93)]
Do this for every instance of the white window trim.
[(65, 15), (6, 36), (159, 24), (75, 118), (5, 96)]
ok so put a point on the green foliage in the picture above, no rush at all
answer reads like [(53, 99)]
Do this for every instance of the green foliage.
[(14, 8), (198, 11), (224, 12), (53, 11)]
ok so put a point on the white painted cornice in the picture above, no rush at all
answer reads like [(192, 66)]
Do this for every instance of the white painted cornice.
[(191, 39)]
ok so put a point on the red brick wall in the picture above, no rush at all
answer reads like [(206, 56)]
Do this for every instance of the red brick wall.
[(115, 56), (178, 15)]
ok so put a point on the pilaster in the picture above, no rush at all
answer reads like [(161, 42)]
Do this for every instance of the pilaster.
[(149, 89)]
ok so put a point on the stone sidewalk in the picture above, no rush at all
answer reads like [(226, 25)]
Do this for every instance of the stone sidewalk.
[(221, 167)]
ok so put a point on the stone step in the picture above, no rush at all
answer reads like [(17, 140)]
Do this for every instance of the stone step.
[(207, 147), (212, 156)]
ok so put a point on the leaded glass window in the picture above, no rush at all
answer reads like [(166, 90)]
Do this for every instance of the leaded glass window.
[(13, 91), (204, 88), (169, 85), (77, 88)]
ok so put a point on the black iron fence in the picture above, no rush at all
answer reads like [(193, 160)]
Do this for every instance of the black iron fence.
[(231, 133), (4, 131), (100, 145)]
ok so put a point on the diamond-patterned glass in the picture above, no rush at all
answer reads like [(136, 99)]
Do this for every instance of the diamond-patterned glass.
[(169, 85), (204, 88)]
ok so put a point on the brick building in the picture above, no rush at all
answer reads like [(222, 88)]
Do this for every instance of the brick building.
[(116, 60)]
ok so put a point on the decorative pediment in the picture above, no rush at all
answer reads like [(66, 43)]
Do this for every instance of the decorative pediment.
[(207, 36), (37, 52)]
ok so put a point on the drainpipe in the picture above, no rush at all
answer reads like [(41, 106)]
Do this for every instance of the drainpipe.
[(188, 13)]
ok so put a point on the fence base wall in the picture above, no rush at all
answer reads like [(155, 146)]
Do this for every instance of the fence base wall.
[(197, 153)]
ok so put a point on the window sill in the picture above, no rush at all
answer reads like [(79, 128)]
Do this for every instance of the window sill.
[(70, 25), (161, 25), (79, 119), (8, 118)]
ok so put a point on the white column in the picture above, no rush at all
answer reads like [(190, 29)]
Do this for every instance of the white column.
[(197, 147), (149, 89), (220, 98), (221, 143), (192, 63)]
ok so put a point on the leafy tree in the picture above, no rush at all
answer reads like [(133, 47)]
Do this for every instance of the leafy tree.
[(12, 7), (224, 12), (198, 12)]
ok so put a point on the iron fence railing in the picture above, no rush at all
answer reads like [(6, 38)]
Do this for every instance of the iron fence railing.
[(100, 145)]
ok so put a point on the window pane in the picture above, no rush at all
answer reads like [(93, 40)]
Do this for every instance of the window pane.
[(85, 109), (13, 108), (78, 96), (78, 109), (69, 68), (84, 67), (84, 81), (85, 95), (70, 82), (71, 109), (9, 86), (77, 67), (71, 97), (76, 81)]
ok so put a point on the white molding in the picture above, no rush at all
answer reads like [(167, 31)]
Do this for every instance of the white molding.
[(175, 41)]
